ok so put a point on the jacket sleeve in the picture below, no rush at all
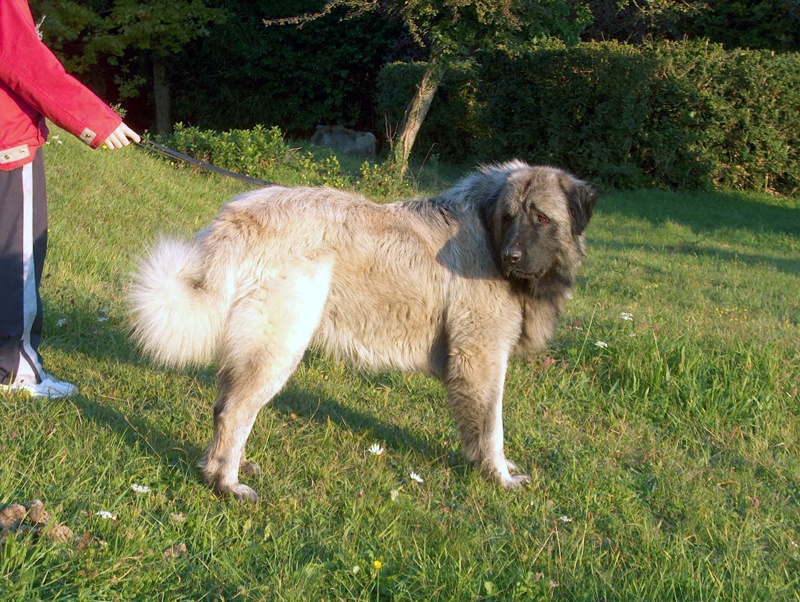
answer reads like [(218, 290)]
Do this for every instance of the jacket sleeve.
[(31, 70)]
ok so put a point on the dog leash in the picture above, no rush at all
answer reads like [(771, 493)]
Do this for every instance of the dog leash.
[(173, 154)]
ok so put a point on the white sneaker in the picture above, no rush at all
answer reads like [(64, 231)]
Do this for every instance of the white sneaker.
[(49, 387)]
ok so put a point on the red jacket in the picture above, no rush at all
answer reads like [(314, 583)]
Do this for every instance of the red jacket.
[(34, 85)]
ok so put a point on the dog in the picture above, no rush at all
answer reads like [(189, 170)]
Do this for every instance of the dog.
[(452, 285)]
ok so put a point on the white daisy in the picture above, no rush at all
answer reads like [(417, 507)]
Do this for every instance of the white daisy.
[(415, 477), (375, 449), (626, 316), (601, 344), (140, 488), (105, 514)]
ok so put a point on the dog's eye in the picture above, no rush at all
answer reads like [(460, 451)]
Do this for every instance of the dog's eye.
[(542, 219), (507, 218)]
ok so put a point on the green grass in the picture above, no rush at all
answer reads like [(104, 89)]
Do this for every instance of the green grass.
[(666, 465)]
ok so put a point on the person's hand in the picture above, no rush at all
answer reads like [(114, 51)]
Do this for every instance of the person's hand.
[(122, 136)]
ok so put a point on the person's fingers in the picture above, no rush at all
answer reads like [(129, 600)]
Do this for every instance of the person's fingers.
[(113, 141), (131, 134), (122, 136)]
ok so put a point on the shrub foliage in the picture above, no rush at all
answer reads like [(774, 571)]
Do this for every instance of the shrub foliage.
[(679, 114), (263, 153)]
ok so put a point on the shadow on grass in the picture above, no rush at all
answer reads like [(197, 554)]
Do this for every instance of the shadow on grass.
[(106, 343), (293, 402), (706, 212), (136, 429), (788, 265), (319, 409)]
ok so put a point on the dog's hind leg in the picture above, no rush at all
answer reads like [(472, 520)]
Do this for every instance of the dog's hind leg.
[(267, 330)]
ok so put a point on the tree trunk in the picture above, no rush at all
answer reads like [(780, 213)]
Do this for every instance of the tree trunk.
[(415, 114), (161, 96)]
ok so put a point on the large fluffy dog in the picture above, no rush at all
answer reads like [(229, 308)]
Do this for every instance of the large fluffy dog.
[(452, 285)]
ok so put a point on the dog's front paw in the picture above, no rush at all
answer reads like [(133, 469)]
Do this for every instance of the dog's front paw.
[(515, 481), (501, 471), (243, 493)]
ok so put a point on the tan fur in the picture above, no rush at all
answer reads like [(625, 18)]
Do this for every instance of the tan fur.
[(437, 285)]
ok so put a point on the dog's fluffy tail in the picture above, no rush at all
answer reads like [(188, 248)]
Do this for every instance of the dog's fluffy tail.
[(177, 313)]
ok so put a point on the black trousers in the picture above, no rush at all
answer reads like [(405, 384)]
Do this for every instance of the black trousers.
[(23, 246)]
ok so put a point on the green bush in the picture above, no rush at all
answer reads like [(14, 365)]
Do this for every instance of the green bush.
[(744, 107), (578, 108), (679, 114), (263, 153)]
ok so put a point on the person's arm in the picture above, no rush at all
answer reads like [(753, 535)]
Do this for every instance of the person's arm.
[(31, 70)]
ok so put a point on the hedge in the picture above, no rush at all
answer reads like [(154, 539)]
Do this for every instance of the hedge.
[(679, 114)]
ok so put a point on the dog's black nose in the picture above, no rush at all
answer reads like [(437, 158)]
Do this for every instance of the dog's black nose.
[(512, 255)]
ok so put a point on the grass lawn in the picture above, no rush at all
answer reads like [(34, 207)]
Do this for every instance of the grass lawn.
[(661, 428)]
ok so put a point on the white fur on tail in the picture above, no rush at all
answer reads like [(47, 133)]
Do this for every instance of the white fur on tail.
[(176, 316)]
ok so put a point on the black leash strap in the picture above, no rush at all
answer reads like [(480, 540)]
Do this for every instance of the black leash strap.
[(157, 148)]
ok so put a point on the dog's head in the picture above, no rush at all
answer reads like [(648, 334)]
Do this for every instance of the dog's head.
[(536, 219)]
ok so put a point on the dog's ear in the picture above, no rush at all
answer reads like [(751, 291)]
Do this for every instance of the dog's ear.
[(581, 199)]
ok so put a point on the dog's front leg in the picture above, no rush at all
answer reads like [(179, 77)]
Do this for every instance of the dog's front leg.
[(475, 393)]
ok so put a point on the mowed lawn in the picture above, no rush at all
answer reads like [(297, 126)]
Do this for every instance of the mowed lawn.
[(661, 428)]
